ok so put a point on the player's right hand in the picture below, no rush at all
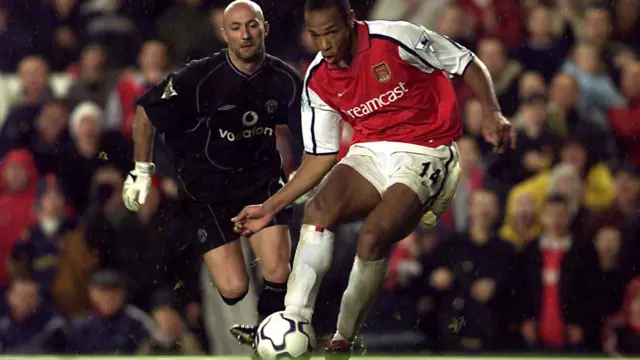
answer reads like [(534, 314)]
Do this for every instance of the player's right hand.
[(252, 219), (137, 185)]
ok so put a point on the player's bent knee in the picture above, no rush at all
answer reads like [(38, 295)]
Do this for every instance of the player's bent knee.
[(277, 272), (318, 213), (372, 246), (233, 292), (232, 300)]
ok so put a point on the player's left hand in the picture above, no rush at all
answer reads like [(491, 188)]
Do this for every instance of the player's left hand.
[(252, 219), (499, 132)]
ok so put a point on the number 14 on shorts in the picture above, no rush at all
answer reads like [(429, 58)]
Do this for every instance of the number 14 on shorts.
[(435, 173)]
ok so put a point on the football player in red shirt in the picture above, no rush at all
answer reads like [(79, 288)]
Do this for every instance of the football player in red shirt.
[(391, 82)]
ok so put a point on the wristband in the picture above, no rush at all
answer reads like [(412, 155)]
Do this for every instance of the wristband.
[(145, 168)]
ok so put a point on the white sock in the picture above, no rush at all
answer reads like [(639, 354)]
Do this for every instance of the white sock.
[(311, 262), (365, 283)]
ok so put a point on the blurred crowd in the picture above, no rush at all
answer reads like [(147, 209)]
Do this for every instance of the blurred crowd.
[(540, 251)]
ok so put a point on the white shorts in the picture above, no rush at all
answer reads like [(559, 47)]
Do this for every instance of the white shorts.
[(432, 173)]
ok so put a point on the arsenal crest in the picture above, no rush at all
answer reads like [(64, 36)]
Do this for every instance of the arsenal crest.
[(382, 72)]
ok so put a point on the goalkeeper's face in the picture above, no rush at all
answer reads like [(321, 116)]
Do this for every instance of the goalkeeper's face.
[(244, 30)]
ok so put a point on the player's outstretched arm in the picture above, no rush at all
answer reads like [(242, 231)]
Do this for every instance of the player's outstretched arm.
[(443, 53), (313, 169), (496, 128), (138, 182)]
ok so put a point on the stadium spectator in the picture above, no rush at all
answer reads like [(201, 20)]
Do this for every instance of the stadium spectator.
[(496, 18), (623, 121), (105, 24), (626, 28), (531, 83), (566, 118), (92, 83), (173, 338), (589, 183), (189, 35), (471, 273), (120, 108), (452, 23), (18, 192), (69, 290), (621, 335), (607, 275), (552, 285), (59, 32), (423, 13), (472, 118), (33, 73), (598, 27), (598, 93), (37, 254), (113, 326), (623, 211), (49, 136), (535, 144), (32, 326), (92, 148), (521, 223), (504, 72), (14, 40), (543, 52)]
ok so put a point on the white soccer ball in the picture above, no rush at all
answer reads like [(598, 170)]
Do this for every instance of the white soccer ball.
[(285, 336)]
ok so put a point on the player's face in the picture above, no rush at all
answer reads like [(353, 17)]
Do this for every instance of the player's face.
[(245, 30), (331, 34)]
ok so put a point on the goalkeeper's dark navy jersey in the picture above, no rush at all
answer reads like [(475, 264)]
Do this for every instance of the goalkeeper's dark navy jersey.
[(219, 121)]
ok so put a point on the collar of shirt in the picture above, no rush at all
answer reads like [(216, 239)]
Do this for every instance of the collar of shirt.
[(563, 244)]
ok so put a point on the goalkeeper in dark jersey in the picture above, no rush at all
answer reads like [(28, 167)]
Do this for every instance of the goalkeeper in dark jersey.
[(218, 116)]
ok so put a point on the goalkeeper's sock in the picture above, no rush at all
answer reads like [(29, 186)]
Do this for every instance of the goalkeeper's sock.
[(365, 283), (311, 262), (271, 299)]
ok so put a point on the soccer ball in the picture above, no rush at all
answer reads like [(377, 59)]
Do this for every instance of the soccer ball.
[(285, 336)]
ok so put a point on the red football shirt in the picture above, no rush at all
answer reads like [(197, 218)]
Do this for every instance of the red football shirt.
[(397, 88)]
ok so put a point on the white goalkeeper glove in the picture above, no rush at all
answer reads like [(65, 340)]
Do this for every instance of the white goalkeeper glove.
[(137, 185)]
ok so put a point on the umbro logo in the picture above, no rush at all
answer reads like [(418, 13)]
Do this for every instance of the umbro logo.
[(226, 107)]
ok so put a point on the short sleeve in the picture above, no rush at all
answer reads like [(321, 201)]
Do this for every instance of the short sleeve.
[(320, 125), (294, 118), (171, 100), (435, 49), (290, 115)]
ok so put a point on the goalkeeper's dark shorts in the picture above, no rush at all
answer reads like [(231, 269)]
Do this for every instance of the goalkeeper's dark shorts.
[(209, 224)]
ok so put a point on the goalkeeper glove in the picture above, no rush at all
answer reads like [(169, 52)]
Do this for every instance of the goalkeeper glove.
[(137, 185)]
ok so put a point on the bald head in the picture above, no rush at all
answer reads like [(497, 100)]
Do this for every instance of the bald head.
[(244, 30), (244, 6)]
